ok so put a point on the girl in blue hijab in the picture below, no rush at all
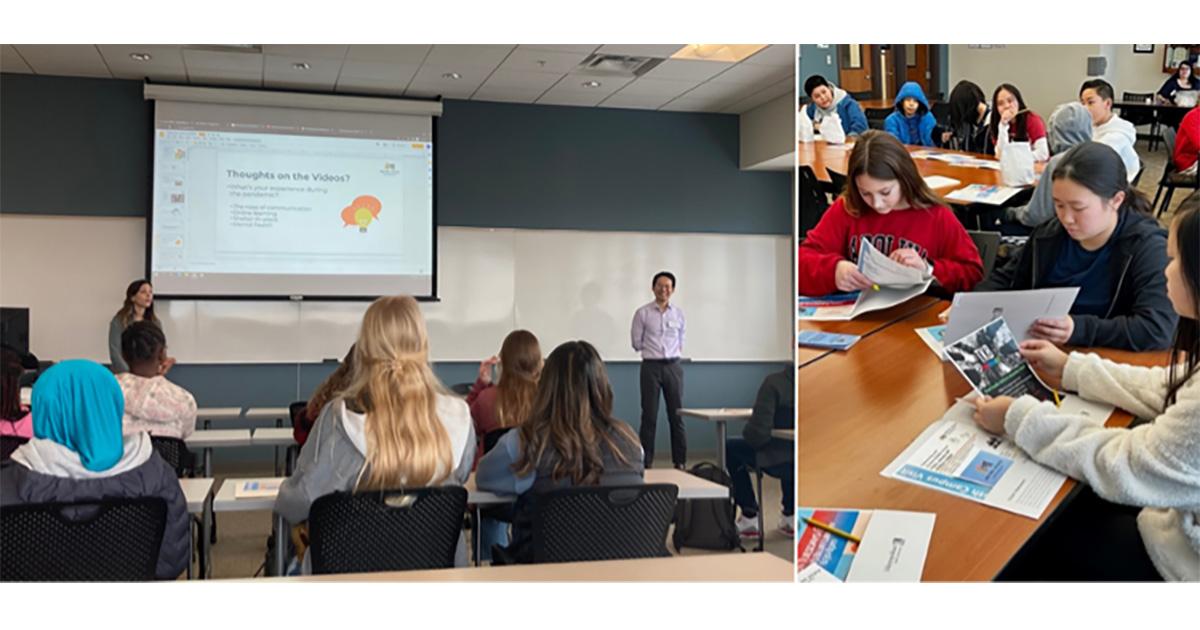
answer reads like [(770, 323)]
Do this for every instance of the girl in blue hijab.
[(79, 405)]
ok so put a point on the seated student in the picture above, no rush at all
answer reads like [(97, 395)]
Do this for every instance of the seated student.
[(507, 404), (1070, 125), (969, 114), (828, 99), (1104, 241), (1118, 133), (1187, 143), (1155, 466), (394, 426), (911, 123), (1013, 122), (152, 403), (326, 392), (570, 439), (78, 454), (774, 408), (1181, 81), (15, 418), (887, 201)]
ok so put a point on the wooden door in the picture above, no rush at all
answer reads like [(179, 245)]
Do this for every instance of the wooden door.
[(854, 67), (916, 59)]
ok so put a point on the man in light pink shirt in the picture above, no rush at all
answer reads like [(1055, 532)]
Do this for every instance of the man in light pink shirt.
[(657, 333), (152, 403)]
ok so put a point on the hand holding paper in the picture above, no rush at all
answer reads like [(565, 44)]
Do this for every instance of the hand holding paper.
[(900, 271), (989, 413), (1047, 359)]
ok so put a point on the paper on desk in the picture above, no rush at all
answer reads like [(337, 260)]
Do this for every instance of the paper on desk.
[(257, 488), (956, 159), (1019, 308), (885, 272), (934, 337), (954, 456), (814, 574), (893, 548), (937, 181), (981, 193)]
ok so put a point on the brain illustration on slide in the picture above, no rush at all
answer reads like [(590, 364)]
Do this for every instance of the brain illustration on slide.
[(361, 212)]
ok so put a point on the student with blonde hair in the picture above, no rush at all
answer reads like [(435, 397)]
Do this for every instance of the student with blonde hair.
[(394, 426)]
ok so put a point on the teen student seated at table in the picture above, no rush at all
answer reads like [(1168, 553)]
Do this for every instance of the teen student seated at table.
[(394, 426), (1070, 125), (1104, 241), (911, 122), (78, 453), (1012, 121), (1154, 466), (886, 200), (152, 403), (1187, 143), (1181, 81), (969, 115), (570, 439), (327, 391), (828, 99), (15, 419), (1118, 133), (774, 408)]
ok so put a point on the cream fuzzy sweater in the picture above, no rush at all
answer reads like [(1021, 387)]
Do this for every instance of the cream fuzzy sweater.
[(1156, 465)]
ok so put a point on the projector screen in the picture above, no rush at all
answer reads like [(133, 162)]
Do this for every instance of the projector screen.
[(257, 201)]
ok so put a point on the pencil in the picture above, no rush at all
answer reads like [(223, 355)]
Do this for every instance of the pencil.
[(1057, 400), (875, 286), (831, 529)]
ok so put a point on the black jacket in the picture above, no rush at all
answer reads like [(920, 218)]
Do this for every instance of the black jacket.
[(1140, 316), (775, 408)]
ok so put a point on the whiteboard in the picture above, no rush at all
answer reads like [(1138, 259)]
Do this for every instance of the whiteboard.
[(560, 284)]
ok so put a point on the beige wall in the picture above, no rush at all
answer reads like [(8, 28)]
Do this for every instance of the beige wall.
[(1046, 74), (1136, 73), (767, 137)]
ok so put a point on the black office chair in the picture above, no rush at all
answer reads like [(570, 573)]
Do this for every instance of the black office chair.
[(109, 540), (988, 244), (492, 437), (8, 444), (813, 201), (875, 117), (941, 112), (175, 452), (837, 182), (603, 522), (1137, 178), (1170, 180), (1139, 117), (462, 389), (391, 530)]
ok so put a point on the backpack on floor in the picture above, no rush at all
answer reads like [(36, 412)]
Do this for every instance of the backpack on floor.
[(707, 523)]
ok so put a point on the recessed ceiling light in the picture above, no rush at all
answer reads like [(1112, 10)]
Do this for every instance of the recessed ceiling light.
[(139, 56), (591, 84), (300, 65), (453, 76)]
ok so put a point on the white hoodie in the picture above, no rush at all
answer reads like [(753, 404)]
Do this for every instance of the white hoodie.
[(51, 458), (1121, 135)]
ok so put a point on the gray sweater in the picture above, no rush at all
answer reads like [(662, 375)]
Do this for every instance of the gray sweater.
[(114, 345)]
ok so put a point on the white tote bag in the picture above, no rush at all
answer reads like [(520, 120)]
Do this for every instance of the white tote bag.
[(1016, 164), (804, 126), (831, 129)]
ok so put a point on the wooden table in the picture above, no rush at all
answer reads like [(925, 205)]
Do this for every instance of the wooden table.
[(822, 157), (863, 325), (859, 409), (720, 417), (725, 567)]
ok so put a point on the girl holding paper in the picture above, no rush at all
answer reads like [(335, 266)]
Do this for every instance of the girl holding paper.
[(1155, 466), (1105, 241), (887, 202)]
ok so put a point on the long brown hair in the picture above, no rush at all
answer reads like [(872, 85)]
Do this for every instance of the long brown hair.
[(1185, 351), (572, 419), (521, 366), (333, 384), (880, 155), (125, 314), (392, 383)]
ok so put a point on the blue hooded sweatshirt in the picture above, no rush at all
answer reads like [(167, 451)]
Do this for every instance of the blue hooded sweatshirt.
[(854, 121), (917, 129)]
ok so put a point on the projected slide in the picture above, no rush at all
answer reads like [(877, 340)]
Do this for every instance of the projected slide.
[(271, 201)]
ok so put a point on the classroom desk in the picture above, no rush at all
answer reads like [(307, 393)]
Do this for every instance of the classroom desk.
[(277, 437), (822, 157), (206, 415), (216, 438), (1168, 114), (863, 325), (720, 417), (860, 409), (199, 494), (742, 567), (882, 103)]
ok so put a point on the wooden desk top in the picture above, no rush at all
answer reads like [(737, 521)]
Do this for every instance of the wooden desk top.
[(719, 567), (822, 157), (864, 325), (860, 409)]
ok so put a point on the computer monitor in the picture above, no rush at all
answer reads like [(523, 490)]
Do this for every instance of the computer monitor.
[(14, 328)]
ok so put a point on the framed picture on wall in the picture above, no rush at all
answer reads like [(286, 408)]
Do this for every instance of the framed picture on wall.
[(1146, 49)]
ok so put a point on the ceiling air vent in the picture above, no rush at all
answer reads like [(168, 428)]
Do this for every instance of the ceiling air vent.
[(617, 65)]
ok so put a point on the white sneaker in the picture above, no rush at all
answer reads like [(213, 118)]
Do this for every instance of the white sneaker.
[(787, 524), (748, 527)]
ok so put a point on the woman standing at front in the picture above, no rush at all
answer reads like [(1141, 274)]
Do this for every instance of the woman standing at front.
[(138, 306)]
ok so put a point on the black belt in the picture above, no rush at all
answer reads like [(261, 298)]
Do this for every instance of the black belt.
[(663, 361)]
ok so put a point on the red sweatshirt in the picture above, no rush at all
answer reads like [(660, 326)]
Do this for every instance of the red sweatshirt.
[(932, 232), (1187, 143)]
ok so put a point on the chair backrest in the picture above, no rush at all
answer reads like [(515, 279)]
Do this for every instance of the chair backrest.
[(603, 522), (492, 437), (173, 451), (941, 112), (462, 389), (837, 181), (988, 243), (813, 202), (875, 117), (390, 530), (8, 444), (108, 540)]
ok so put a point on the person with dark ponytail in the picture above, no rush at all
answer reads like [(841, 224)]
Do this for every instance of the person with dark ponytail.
[(969, 114), (152, 403), (1105, 241), (1138, 519), (138, 306)]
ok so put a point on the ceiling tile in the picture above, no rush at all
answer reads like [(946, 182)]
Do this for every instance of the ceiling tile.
[(634, 101), (225, 78), (571, 98), (208, 62), (781, 55), (691, 105), (728, 92), (10, 61), (76, 60), (396, 53), (543, 61), (468, 56), (369, 86), (307, 51), (688, 69), (572, 48), (386, 71), (574, 83), (512, 80), (486, 93), (165, 64), (470, 77), (641, 50), (643, 86), (278, 71), (748, 74)]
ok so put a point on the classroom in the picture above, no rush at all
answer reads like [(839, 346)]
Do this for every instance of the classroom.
[(158, 211), (998, 284)]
